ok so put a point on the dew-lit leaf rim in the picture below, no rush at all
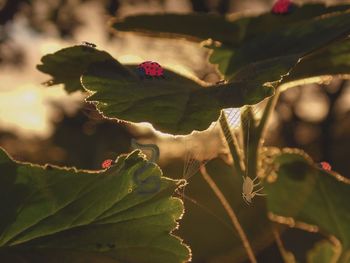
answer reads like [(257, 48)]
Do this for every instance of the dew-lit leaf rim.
[(100, 213)]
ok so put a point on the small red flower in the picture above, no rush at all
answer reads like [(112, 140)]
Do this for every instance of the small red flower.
[(107, 163), (326, 166), (282, 7)]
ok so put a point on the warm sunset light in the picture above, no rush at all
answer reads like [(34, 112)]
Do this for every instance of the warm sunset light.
[(30, 113), (164, 131)]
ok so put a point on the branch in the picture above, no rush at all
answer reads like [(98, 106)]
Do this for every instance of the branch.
[(230, 213)]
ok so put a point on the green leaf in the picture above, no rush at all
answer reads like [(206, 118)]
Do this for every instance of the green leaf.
[(205, 217), (192, 26), (331, 60), (106, 214), (281, 47), (310, 195), (174, 104), (68, 64), (229, 30), (270, 42), (323, 252)]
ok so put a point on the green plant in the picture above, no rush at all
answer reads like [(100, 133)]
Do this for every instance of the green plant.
[(260, 57)]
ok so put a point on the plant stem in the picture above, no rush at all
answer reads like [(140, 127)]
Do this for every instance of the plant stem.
[(287, 256), (230, 213), (253, 134), (232, 143), (250, 142), (270, 106)]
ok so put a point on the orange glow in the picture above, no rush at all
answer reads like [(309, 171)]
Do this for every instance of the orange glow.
[(130, 59), (26, 109), (50, 46), (23, 109)]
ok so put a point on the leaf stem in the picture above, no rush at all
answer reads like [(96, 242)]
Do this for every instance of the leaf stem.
[(250, 142), (287, 256), (255, 133), (230, 213), (232, 143), (270, 106)]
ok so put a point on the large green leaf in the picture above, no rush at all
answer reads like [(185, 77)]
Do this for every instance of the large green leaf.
[(267, 41), (192, 26), (108, 215), (205, 216), (66, 66), (311, 195), (179, 105), (294, 41), (231, 30), (331, 60), (175, 104)]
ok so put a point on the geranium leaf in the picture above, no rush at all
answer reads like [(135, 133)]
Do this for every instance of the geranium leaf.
[(102, 213)]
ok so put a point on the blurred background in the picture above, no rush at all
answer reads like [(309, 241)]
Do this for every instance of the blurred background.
[(45, 125)]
